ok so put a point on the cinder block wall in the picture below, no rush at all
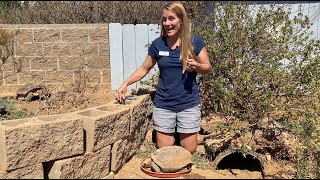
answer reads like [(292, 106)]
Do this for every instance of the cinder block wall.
[(93, 143), (56, 54)]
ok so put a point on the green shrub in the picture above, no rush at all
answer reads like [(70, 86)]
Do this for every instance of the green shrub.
[(263, 66), (12, 112)]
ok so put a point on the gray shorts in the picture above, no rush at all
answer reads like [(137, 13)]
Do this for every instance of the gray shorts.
[(185, 121)]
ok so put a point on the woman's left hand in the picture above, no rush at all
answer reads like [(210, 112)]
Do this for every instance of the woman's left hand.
[(192, 65)]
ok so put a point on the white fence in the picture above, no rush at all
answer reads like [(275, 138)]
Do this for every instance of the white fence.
[(128, 49), (129, 43)]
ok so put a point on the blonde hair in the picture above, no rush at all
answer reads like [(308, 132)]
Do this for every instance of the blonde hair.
[(185, 34)]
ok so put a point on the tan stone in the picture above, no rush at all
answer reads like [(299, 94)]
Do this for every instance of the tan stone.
[(16, 64), (28, 172), (47, 35), (141, 109), (75, 34), (91, 165), (98, 62), (119, 154), (71, 63), (25, 142), (104, 125), (104, 49), (26, 77), (64, 77), (44, 63), (10, 77), (99, 34), (94, 76), (106, 77), (29, 49), (24, 35), (84, 49), (56, 49)]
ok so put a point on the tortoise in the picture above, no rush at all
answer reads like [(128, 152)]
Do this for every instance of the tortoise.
[(28, 91), (170, 159)]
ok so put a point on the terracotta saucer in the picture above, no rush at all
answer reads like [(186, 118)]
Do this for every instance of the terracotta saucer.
[(161, 174)]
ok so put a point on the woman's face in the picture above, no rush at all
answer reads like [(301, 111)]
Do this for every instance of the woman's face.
[(171, 23)]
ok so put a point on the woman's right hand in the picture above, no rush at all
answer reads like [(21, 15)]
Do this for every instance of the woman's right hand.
[(120, 93)]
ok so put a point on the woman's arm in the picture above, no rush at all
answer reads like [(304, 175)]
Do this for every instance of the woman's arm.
[(138, 74), (203, 65)]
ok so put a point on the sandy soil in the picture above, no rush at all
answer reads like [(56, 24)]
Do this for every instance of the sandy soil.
[(272, 169)]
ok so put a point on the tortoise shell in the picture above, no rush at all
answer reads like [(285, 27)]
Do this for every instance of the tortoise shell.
[(24, 90), (171, 158)]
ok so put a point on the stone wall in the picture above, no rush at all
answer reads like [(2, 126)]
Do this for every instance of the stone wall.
[(91, 143), (56, 55)]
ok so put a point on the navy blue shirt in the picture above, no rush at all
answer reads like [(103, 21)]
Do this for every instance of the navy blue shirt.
[(175, 91)]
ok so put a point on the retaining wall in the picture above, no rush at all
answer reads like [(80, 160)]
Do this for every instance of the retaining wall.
[(56, 55), (91, 143)]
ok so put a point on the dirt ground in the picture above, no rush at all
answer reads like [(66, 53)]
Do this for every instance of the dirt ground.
[(272, 169), (131, 170)]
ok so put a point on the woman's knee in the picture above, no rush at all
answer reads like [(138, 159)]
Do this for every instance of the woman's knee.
[(189, 141), (164, 139)]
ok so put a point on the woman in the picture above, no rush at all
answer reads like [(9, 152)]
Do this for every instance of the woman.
[(180, 56)]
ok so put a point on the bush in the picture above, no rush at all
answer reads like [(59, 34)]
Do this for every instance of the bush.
[(264, 65), (75, 12)]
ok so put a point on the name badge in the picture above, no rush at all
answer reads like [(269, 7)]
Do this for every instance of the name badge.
[(163, 53)]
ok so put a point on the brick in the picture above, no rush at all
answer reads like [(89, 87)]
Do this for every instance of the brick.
[(94, 76), (141, 109), (56, 49), (18, 63), (29, 49), (29, 141), (75, 35), (119, 154), (104, 125), (26, 77), (47, 35), (106, 77), (24, 35), (104, 49), (92, 165), (44, 63), (99, 34), (59, 77), (84, 49), (10, 77), (98, 62), (28, 172), (71, 63)]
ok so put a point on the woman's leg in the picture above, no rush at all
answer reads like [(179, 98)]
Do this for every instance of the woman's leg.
[(164, 123), (164, 139), (189, 141), (188, 126)]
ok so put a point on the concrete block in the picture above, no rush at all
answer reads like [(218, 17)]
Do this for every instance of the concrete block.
[(56, 49), (92, 165), (104, 125), (28, 172), (75, 34), (47, 35), (119, 154), (25, 142), (141, 108)]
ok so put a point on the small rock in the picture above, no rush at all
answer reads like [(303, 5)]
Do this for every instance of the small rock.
[(268, 157)]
